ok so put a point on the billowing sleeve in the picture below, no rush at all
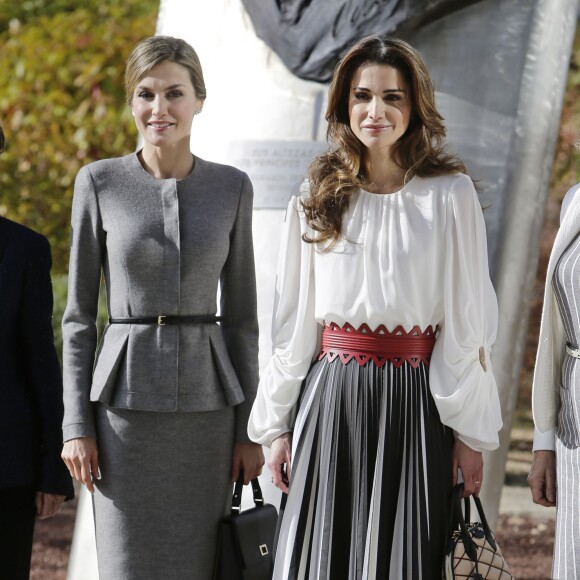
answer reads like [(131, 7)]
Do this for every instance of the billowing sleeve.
[(79, 328), (294, 333), (461, 374)]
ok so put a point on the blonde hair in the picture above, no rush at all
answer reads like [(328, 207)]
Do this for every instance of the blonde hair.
[(159, 49), (335, 175)]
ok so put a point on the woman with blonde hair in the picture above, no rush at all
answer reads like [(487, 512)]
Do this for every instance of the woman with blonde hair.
[(156, 419), (380, 387)]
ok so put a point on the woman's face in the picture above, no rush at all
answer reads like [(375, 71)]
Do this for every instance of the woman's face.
[(164, 103), (379, 106)]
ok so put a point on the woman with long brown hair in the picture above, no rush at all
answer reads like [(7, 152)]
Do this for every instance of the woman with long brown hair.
[(380, 387)]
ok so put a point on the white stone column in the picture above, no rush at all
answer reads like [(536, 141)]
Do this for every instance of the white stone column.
[(82, 564)]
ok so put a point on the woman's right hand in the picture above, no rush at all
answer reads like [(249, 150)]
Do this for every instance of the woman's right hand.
[(280, 461), (542, 478), (81, 458)]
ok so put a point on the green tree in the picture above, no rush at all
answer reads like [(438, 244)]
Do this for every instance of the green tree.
[(62, 102)]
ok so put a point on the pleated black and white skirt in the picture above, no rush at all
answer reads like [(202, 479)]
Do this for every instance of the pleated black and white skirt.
[(371, 476)]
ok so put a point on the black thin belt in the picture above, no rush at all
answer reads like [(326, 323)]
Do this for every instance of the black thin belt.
[(163, 320)]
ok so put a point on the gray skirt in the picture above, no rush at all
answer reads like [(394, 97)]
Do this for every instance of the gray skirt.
[(165, 483)]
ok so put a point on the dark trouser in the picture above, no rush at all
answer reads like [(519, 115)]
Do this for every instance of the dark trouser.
[(17, 514)]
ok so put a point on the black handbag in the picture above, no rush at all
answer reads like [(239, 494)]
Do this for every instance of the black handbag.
[(472, 550), (245, 539)]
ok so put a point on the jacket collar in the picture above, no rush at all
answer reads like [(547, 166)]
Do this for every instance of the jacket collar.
[(133, 165)]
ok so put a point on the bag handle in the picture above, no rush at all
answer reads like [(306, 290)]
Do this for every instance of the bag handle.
[(237, 497), (483, 520), (460, 521), (486, 529)]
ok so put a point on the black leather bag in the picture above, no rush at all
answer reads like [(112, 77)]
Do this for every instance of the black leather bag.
[(245, 539), (472, 550)]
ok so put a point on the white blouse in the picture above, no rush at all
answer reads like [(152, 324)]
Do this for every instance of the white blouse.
[(417, 257)]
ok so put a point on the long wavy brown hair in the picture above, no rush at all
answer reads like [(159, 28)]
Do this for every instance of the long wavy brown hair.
[(420, 151)]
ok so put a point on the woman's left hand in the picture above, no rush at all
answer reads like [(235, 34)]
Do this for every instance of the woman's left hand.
[(47, 504), (249, 458), (471, 464)]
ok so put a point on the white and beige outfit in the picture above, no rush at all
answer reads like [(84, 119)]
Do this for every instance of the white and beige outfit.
[(556, 389)]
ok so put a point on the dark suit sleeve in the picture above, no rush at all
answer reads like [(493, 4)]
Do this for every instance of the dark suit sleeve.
[(238, 306), (42, 366)]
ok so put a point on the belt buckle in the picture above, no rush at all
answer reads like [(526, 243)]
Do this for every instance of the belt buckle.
[(161, 320), (574, 352)]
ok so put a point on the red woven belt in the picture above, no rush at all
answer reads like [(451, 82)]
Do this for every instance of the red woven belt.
[(380, 345)]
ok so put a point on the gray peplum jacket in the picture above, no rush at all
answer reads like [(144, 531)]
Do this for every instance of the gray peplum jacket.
[(165, 247)]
